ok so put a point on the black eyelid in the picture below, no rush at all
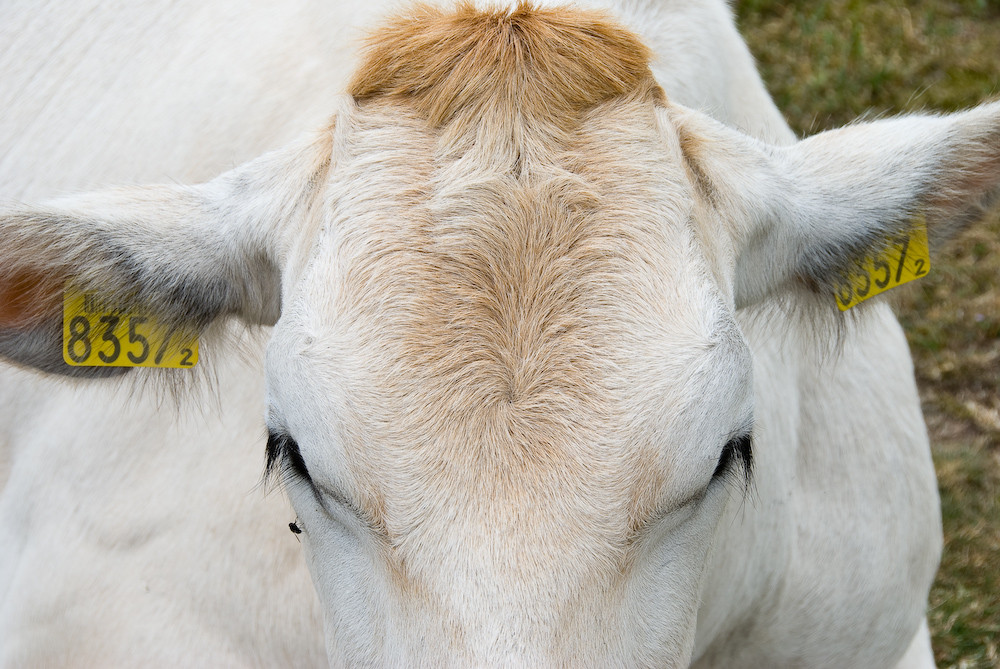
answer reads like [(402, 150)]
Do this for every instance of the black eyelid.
[(284, 458), (283, 451), (738, 449)]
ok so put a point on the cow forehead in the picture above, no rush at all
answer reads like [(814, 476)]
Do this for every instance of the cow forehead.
[(507, 303), (487, 323)]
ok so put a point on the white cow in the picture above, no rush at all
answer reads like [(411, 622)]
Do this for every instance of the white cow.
[(528, 311)]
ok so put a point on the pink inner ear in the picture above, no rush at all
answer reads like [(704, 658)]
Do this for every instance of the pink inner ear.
[(27, 298)]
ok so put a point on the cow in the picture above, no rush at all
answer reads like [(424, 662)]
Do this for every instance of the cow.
[(537, 330)]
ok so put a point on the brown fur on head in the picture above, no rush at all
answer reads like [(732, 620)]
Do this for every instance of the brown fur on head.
[(547, 63)]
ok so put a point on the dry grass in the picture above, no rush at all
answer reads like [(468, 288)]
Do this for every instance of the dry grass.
[(826, 63)]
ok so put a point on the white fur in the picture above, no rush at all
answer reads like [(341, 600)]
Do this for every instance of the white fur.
[(131, 531)]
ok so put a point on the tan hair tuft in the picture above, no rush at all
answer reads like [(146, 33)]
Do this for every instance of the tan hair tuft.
[(547, 63)]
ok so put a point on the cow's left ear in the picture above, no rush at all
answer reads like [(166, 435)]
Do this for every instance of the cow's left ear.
[(183, 256), (814, 211)]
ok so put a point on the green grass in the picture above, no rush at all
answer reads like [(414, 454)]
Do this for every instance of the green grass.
[(827, 63)]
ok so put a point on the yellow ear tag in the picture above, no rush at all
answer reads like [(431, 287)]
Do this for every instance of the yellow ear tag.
[(96, 334), (905, 259)]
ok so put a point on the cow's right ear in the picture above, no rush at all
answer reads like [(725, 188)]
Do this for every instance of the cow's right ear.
[(183, 255)]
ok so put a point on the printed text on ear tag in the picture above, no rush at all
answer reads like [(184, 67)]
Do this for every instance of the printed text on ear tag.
[(96, 334), (905, 259)]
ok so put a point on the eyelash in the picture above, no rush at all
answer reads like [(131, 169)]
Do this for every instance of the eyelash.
[(738, 449), (282, 454)]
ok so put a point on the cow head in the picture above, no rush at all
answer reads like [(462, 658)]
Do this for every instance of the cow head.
[(506, 387)]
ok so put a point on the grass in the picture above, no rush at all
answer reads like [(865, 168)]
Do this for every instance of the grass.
[(828, 62)]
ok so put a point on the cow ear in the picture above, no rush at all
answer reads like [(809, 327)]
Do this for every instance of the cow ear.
[(182, 255), (815, 212)]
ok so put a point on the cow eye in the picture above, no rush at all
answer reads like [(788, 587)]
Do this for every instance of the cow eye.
[(737, 451), (283, 454)]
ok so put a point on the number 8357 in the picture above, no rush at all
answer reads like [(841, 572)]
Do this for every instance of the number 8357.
[(112, 338)]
